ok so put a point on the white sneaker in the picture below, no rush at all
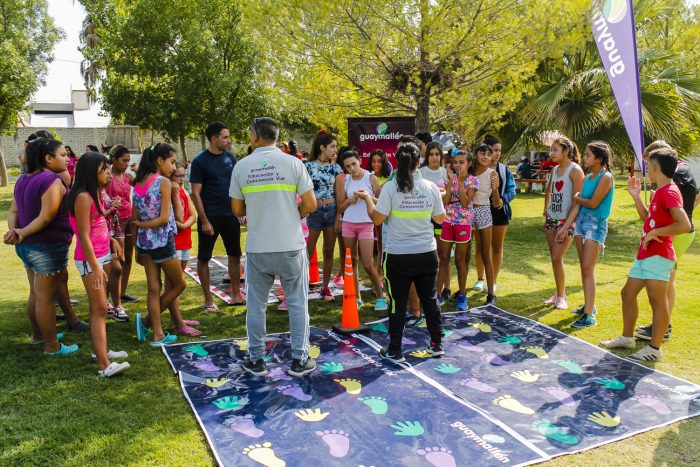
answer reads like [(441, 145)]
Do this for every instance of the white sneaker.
[(114, 369), (479, 286), (551, 300), (495, 287), (620, 342), (114, 355), (561, 304), (646, 354)]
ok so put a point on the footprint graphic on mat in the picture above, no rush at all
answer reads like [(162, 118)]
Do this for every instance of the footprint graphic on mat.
[(314, 351), (537, 351), (377, 404), (244, 424), (205, 365), (294, 391), (559, 394), (469, 347), (570, 365), (494, 359), (439, 457), (337, 440), (280, 374), (352, 386), (554, 432), (478, 385), (653, 403), (507, 402), (242, 344), (263, 454)]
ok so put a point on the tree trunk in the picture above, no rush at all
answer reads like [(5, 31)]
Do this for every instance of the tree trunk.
[(3, 169), (423, 112), (183, 148)]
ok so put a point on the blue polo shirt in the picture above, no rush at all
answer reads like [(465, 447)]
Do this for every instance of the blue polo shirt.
[(213, 171)]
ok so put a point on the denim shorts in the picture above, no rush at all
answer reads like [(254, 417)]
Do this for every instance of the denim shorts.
[(161, 254), (591, 227), (84, 267), (183, 255), (44, 258), (654, 267), (323, 217)]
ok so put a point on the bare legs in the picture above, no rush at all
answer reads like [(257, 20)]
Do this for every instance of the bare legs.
[(588, 255), (557, 251)]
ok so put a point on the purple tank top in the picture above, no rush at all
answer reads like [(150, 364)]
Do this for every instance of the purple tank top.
[(28, 192)]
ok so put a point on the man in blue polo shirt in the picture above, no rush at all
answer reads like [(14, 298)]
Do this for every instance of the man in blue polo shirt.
[(264, 187), (210, 176)]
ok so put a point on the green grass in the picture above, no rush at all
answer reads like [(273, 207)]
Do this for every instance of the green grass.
[(57, 412)]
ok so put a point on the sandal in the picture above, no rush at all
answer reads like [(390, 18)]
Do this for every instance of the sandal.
[(167, 339), (238, 303), (192, 322), (59, 336), (211, 308), (189, 332), (63, 350)]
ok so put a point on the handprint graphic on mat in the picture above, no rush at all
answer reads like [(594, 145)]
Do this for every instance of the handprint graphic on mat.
[(420, 354), (230, 403), (512, 340), (535, 350), (331, 367), (610, 383), (216, 382), (570, 365), (197, 349), (554, 432), (525, 376), (314, 351), (309, 415), (602, 418), (242, 344), (408, 428), (483, 327), (447, 368), (380, 328)]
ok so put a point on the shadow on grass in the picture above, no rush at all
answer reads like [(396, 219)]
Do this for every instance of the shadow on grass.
[(679, 443)]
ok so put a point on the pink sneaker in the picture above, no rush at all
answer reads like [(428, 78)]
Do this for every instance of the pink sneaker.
[(283, 306), (338, 281), (551, 300), (326, 295)]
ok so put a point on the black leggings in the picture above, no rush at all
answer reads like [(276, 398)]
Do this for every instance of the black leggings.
[(400, 272)]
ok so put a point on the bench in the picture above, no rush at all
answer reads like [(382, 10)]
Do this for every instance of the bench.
[(532, 181)]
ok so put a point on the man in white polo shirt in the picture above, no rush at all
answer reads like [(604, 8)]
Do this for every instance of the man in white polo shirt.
[(264, 186)]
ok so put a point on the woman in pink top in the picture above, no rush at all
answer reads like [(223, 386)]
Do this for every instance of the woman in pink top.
[(119, 190), (92, 252)]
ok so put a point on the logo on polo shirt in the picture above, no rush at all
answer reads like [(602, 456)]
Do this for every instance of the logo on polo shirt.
[(263, 164)]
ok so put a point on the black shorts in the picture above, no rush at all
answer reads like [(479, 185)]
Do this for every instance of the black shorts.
[(230, 230), (500, 217)]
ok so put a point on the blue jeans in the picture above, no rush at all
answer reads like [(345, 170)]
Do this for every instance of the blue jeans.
[(44, 258), (323, 217), (591, 227)]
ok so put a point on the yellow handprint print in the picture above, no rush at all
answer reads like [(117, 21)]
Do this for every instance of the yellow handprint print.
[(421, 354), (216, 382), (525, 376), (604, 419), (242, 344), (309, 415), (483, 327), (314, 351)]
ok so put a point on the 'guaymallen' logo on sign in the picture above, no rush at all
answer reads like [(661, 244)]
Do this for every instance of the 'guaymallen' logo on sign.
[(614, 11), (382, 128), (382, 133)]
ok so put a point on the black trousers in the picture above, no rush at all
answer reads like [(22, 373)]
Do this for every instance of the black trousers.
[(400, 272)]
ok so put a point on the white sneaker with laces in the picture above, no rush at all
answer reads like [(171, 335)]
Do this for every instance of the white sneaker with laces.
[(620, 342), (114, 355), (561, 304), (114, 369), (479, 286), (646, 354)]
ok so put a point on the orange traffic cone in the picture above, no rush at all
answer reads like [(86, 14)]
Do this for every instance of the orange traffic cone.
[(314, 277), (351, 318)]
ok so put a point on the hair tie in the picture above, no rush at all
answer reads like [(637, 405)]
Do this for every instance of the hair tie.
[(322, 132)]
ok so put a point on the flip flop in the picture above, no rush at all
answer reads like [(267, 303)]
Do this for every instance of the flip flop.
[(238, 303), (189, 332), (63, 351), (211, 308), (192, 322), (59, 336)]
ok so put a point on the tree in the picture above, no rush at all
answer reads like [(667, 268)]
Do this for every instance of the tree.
[(165, 66), (27, 38), (449, 62)]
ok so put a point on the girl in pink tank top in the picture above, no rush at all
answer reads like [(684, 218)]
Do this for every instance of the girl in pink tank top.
[(87, 219)]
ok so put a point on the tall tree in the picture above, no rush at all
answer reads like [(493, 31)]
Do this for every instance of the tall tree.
[(27, 38), (166, 66), (452, 62)]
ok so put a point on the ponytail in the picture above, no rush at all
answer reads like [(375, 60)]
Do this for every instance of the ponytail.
[(37, 150), (571, 147), (322, 138), (601, 151), (147, 165), (407, 156)]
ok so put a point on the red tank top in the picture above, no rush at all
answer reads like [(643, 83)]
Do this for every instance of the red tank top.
[(183, 238)]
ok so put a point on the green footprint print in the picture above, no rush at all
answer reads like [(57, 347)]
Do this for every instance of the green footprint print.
[(378, 405)]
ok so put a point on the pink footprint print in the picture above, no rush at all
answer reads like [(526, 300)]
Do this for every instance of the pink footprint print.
[(653, 403), (478, 385), (407, 341), (244, 424), (559, 394), (205, 365), (469, 347), (294, 391), (494, 360), (278, 373), (439, 457), (337, 440)]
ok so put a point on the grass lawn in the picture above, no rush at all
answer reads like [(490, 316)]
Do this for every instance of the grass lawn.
[(58, 412)]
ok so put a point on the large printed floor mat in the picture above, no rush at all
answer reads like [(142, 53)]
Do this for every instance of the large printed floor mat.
[(562, 394), (509, 391)]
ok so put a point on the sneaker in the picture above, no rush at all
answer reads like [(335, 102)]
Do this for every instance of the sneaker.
[(360, 303), (435, 350), (413, 321), (646, 354), (495, 287), (129, 298), (257, 368), (326, 295), (644, 333), (479, 286), (381, 305), (117, 313), (339, 282), (620, 342), (114, 355), (299, 369), (584, 321), (561, 304), (283, 306), (396, 357), (579, 311), (462, 303), (141, 330), (491, 300), (441, 300), (551, 300), (114, 369), (445, 294)]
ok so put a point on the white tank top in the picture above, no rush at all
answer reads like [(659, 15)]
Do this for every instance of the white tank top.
[(562, 193), (357, 213), (483, 195)]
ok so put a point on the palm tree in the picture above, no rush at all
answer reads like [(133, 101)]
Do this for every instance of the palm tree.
[(90, 67)]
